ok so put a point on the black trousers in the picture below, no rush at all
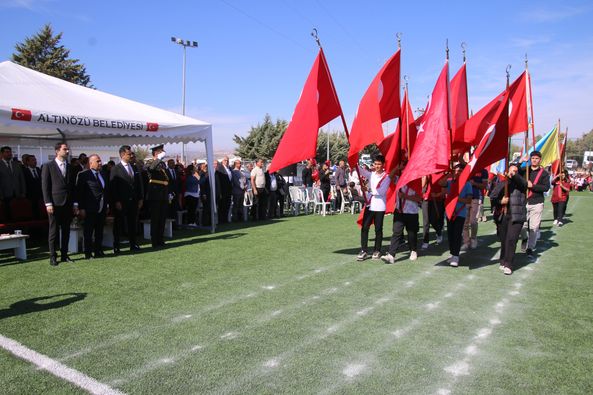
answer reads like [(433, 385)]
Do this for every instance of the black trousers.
[(436, 218), (59, 221), (559, 210), (455, 234), (191, 204), (272, 204), (368, 218), (238, 199), (261, 203), (93, 225), (125, 223), (158, 215), (224, 205), (508, 234), (410, 223)]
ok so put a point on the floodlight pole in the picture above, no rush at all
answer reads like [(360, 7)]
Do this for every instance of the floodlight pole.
[(184, 44)]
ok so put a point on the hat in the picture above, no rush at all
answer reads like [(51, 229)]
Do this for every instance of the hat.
[(158, 147), (535, 153), (327, 162)]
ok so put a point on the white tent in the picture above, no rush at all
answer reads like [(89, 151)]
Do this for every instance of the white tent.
[(39, 110)]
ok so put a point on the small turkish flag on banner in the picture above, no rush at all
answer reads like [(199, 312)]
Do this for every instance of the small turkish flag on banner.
[(20, 115), (152, 127)]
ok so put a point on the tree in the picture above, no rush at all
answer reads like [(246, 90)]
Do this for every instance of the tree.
[(262, 140), (43, 53), (338, 147), (576, 148)]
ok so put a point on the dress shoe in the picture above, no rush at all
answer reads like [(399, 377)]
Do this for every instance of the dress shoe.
[(88, 256), (53, 261), (116, 250), (99, 254), (66, 258), (134, 247)]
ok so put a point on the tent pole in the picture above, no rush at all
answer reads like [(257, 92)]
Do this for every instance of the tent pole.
[(211, 179)]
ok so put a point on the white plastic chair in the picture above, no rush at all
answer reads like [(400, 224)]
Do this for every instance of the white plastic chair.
[(309, 198), (296, 200), (320, 202), (247, 204), (346, 205)]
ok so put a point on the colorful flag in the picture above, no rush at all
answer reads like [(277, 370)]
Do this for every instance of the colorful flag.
[(556, 165), (432, 149), (459, 111), (379, 104), (518, 106), (548, 146), (317, 106), (493, 146)]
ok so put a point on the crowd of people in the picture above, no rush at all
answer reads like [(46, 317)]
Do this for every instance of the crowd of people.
[(517, 200), (157, 189)]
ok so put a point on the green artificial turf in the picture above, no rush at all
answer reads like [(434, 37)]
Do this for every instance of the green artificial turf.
[(283, 307)]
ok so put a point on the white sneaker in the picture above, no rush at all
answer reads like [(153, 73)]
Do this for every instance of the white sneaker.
[(473, 244), (376, 255), (507, 271), (501, 267), (439, 239), (362, 255), (555, 222), (413, 255), (424, 246), (454, 261), (560, 223), (388, 258)]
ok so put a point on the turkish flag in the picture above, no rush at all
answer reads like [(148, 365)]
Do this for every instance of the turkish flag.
[(492, 147), (317, 106), (459, 111), (152, 126), (21, 115), (379, 104), (432, 149), (409, 129), (518, 115)]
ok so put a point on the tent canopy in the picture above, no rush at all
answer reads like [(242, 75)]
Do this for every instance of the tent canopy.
[(35, 107)]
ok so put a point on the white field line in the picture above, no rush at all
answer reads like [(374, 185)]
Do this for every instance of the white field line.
[(57, 369), (230, 335), (196, 315), (367, 361), (462, 367), (282, 360)]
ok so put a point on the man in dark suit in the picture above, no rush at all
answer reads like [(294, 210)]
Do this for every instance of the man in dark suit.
[(12, 182), (174, 188), (127, 194), (32, 175), (91, 205), (275, 186), (225, 176), (157, 195), (57, 184)]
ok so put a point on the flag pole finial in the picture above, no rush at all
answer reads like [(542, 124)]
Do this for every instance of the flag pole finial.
[(508, 71), (406, 79), (447, 48), (526, 61), (398, 35), (463, 47), (315, 36)]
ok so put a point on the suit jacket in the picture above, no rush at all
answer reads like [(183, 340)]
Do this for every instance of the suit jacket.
[(33, 185), (57, 189), (239, 181), (12, 183), (91, 195), (226, 184), (307, 177), (175, 183), (280, 183), (123, 188)]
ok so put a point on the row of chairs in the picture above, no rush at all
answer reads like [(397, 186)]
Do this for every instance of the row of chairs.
[(311, 198)]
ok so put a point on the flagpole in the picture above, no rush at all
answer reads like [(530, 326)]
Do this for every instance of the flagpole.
[(406, 115), (531, 120), (449, 107), (508, 158)]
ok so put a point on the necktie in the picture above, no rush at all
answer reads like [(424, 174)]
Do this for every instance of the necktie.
[(130, 172), (63, 169)]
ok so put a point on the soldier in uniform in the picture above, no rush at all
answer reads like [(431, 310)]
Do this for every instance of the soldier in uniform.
[(157, 195)]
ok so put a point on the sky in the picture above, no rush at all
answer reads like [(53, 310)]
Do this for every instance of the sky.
[(253, 56)]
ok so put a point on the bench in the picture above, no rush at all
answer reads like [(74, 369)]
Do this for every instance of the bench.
[(168, 228), (16, 242)]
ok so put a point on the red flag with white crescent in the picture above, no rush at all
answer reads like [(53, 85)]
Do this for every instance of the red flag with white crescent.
[(19, 114)]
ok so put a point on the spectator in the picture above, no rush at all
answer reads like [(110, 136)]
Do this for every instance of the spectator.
[(192, 194), (258, 185), (32, 175), (324, 180), (275, 186), (12, 180), (225, 178), (205, 195), (57, 184), (239, 183), (307, 174)]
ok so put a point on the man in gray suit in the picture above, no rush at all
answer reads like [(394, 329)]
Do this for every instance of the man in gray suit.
[(12, 180)]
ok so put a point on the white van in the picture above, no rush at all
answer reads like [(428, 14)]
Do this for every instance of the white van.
[(587, 159)]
